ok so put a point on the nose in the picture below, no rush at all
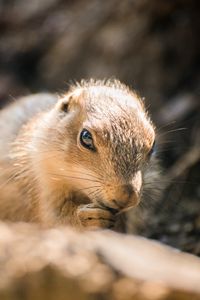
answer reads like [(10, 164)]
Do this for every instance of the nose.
[(127, 190), (125, 196)]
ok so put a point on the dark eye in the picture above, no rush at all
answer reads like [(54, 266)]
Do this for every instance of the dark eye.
[(86, 139), (153, 149)]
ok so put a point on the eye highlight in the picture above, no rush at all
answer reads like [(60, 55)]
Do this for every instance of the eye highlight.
[(86, 140)]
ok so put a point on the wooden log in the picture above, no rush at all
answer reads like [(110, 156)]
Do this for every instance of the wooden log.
[(63, 264)]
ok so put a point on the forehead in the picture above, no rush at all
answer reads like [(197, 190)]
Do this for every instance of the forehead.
[(109, 104), (117, 111), (111, 97), (119, 119)]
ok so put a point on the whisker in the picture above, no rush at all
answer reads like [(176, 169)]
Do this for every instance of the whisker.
[(165, 126), (87, 188), (87, 174), (164, 142), (73, 177), (171, 131), (147, 195), (7, 181), (95, 193), (169, 182), (47, 157)]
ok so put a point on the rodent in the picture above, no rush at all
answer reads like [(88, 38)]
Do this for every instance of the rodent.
[(78, 159)]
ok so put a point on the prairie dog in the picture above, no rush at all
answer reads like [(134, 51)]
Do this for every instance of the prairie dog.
[(79, 159)]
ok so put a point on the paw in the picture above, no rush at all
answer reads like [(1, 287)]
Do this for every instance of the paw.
[(94, 217)]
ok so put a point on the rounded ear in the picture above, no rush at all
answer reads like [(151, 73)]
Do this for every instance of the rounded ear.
[(64, 103), (70, 100)]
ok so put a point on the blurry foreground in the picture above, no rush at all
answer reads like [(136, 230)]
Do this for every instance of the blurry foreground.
[(63, 264)]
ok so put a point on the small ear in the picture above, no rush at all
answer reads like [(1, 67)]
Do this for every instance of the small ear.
[(64, 103), (70, 101)]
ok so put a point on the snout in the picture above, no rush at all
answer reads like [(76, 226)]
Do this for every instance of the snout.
[(125, 196)]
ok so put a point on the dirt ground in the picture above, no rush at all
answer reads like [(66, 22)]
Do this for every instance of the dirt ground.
[(153, 46)]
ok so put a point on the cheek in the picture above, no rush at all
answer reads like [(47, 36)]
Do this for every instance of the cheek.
[(82, 178)]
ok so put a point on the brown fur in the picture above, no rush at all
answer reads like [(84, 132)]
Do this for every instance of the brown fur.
[(48, 177)]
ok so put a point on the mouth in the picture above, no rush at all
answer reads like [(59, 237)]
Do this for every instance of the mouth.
[(113, 210)]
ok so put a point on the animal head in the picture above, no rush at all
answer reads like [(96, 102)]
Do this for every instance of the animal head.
[(106, 138)]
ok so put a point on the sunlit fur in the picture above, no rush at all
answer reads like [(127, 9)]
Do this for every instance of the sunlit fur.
[(45, 171)]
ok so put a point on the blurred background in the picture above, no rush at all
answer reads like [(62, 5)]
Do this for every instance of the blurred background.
[(151, 45)]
